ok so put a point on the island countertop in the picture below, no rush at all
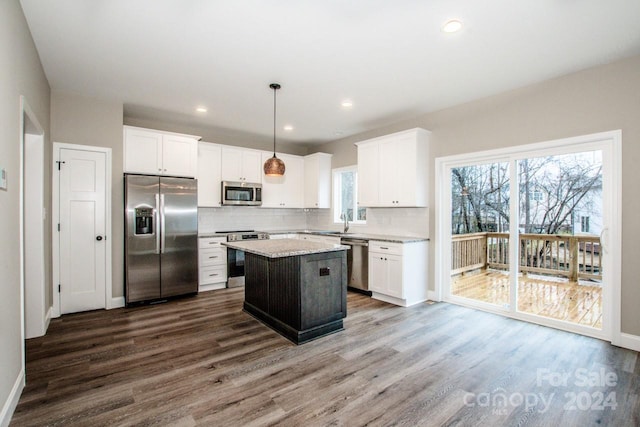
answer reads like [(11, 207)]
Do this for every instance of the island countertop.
[(279, 248)]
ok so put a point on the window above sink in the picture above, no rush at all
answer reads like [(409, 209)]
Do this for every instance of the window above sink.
[(345, 196)]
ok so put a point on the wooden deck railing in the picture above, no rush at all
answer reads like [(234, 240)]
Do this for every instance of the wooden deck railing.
[(468, 252), (573, 257)]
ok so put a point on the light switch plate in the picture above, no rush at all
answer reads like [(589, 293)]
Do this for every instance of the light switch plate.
[(3, 179)]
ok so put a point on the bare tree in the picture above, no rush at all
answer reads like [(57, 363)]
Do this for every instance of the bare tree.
[(550, 188)]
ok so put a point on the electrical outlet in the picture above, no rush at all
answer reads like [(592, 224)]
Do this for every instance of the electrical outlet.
[(3, 179)]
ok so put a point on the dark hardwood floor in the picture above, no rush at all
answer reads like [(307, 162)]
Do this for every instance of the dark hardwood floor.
[(202, 361)]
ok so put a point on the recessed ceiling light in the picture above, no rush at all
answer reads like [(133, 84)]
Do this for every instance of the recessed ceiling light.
[(347, 103), (201, 109), (288, 127), (452, 26)]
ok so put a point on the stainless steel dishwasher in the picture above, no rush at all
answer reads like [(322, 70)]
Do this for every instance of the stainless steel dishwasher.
[(357, 264)]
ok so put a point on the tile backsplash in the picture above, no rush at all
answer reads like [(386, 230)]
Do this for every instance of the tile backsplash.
[(394, 221), (250, 218)]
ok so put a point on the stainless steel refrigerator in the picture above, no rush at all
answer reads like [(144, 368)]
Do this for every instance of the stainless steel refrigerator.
[(161, 237)]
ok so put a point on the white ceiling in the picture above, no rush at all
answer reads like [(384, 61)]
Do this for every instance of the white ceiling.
[(162, 58)]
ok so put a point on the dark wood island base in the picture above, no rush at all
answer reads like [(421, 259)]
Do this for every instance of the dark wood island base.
[(302, 297)]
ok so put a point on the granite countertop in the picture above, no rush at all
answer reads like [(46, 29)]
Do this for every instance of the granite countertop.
[(363, 236), (279, 248)]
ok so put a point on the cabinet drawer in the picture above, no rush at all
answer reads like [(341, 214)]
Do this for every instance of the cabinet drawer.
[(212, 256), (212, 274), (385, 247), (211, 242)]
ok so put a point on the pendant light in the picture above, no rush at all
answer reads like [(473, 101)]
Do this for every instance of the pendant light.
[(274, 166)]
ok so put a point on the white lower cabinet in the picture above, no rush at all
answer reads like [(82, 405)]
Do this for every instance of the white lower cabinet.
[(212, 263), (385, 274), (398, 272)]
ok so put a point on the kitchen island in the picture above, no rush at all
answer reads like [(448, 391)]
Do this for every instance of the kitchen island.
[(297, 287)]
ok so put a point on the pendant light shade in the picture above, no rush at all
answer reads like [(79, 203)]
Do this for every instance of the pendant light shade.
[(274, 166)]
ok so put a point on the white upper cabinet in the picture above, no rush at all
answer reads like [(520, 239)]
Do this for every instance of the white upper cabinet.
[(368, 174), (160, 153), (209, 174), (393, 170), (285, 191), (241, 164), (317, 180)]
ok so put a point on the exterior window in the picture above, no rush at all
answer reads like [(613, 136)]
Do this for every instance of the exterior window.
[(537, 196), (345, 194), (584, 224)]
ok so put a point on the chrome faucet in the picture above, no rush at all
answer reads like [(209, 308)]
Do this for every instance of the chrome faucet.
[(345, 218)]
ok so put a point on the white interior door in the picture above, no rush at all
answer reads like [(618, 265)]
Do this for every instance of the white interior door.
[(83, 262)]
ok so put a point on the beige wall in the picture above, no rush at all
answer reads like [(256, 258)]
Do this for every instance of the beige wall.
[(599, 99), (20, 74), (86, 121)]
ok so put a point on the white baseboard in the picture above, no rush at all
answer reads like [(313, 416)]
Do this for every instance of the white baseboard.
[(394, 300), (212, 287), (432, 296), (116, 302), (632, 342), (12, 401)]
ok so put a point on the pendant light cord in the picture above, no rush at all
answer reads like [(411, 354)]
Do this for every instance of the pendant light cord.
[(275, 88)]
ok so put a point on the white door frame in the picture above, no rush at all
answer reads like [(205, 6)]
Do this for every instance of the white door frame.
[(55, 219), (32, 146), (612, 198), (25, 110)]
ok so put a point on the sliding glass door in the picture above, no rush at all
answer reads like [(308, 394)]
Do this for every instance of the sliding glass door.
[(480, 220), (523, 233), (560, 222)]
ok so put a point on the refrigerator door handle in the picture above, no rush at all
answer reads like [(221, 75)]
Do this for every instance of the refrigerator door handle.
[(156, 213), (162, 228)]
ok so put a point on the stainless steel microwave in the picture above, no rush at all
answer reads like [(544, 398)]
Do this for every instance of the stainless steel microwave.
[(241, 193)]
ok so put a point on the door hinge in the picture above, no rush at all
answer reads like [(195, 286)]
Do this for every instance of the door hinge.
[(59, 288), (59, 162), (58, 226)]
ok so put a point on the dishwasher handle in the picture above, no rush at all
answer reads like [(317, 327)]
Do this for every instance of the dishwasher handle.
[(354, 242)]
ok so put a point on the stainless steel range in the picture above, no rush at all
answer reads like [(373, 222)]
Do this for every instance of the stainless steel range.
[(235, 258)]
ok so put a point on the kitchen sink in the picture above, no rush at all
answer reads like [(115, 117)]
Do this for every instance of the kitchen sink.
[(333, 233)]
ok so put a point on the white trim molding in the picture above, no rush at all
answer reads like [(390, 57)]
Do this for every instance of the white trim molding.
[(11, 403), (116, 302), (632, 342), (432, 296)]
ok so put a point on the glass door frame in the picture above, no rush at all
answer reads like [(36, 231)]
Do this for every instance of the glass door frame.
[(610, 143)]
